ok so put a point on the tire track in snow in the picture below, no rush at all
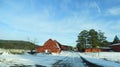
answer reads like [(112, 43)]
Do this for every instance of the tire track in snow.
[(72, 59), (77, 61)]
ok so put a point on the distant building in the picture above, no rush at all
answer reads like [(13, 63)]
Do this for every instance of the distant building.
[(92, 50), (115, 47), (105, 49), (75, 49), (51, 46)]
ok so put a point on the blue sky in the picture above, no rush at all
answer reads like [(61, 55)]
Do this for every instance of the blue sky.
[(39, 20)]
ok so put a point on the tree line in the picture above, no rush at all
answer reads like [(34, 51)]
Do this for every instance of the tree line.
[(93, 39), (14, 44)]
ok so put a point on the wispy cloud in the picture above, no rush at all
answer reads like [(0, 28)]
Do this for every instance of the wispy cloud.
[(114, 11), (95, 5)]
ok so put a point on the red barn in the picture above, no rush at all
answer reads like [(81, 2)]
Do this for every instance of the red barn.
[(52, 46), (115, 47), (105, 49), (63, 47), (92, 50)]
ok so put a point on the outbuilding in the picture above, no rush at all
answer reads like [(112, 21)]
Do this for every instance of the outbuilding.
[(92, 50), (115, 47)]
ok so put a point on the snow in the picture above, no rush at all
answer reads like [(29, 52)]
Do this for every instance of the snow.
[(26, 59), (105, 59), (73, 58), (7, 59)]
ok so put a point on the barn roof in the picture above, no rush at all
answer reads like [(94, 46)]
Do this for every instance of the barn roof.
[(105, 47), (115, 44), (51, 42)]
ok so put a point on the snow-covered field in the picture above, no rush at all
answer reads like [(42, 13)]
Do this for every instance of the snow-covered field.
[(106, 59), (7, 60)]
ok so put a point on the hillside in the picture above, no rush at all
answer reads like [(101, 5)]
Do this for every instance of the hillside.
[(14, 44)]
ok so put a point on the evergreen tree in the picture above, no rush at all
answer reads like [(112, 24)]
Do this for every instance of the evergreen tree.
[(116, 40), (82, 40), (91, 38), (102, 39)]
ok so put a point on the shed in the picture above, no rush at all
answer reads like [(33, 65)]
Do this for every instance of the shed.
[(115, 47), (92, 50), (105, 49)]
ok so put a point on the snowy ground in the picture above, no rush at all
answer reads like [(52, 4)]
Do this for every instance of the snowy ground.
[(106, 59), (72, 58), (7, 60)]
